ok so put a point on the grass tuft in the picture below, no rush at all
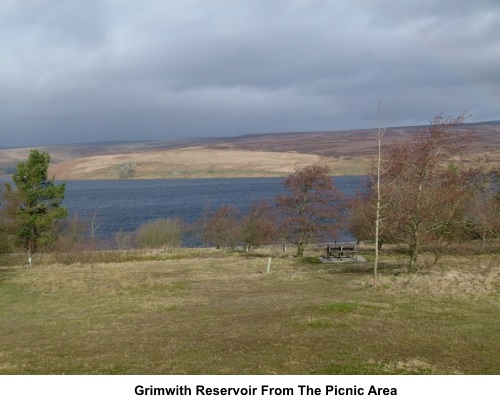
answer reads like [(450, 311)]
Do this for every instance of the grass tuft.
[(341, 307)]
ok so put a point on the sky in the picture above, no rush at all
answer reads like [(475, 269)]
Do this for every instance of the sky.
[(75, 71)]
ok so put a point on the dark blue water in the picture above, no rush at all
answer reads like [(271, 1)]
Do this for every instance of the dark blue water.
[(126, 204)]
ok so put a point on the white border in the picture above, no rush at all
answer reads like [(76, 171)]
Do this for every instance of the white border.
[(121, 389)]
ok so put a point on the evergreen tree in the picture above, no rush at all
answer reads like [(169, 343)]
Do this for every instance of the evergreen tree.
[(35, 202)]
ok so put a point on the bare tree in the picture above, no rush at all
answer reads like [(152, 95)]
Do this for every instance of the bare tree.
[(415, 170), (123, 239), (311, 206), (378, 191), (259, 225), (365, 221), (483, 213), (361, 221), (221, 227), (452, 191), (94, 226)]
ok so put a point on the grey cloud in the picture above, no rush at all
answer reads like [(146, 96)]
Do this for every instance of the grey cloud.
[(129, 70)]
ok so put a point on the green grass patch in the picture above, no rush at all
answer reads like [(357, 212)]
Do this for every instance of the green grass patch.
[(310, 260), (353, 368), (344, 307), (315, 324)]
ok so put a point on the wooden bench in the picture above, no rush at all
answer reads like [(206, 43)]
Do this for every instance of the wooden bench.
[(341, 250)]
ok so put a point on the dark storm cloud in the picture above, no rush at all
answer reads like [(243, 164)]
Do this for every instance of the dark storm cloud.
[(107, 70)]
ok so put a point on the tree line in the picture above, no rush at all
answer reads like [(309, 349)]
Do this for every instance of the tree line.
[(310, 209), (422, 195), (419, 196), (32, 217)]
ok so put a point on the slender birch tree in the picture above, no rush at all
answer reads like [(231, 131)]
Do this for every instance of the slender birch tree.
[(378, 192)]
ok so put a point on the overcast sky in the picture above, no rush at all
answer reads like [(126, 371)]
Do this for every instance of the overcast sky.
[(85, 70)]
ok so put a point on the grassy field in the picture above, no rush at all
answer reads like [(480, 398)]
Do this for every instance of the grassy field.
[(209, 312)]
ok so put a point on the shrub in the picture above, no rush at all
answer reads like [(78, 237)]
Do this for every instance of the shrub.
[(259, 225), (163, 233), (221, 228)]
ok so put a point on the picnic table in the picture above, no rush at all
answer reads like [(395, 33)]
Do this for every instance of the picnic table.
[(341, 250)]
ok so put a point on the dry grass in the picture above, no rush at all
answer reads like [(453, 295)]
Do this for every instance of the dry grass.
[(195, 162), (221, 313), (200, 162), (455, 276)]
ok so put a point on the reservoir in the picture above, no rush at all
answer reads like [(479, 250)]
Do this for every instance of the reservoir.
[(126, 204)]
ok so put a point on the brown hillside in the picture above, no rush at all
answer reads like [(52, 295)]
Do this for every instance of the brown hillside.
[(346, 152), (195, 162)]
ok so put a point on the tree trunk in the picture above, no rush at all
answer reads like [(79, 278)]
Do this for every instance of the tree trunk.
[(414, 248), (415, 241), (377, 241), (300, 249), (380, 134)]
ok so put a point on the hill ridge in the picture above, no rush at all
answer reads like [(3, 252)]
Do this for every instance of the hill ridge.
[(247, 155)]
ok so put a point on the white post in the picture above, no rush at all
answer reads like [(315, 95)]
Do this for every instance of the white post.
[(268, 265)]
